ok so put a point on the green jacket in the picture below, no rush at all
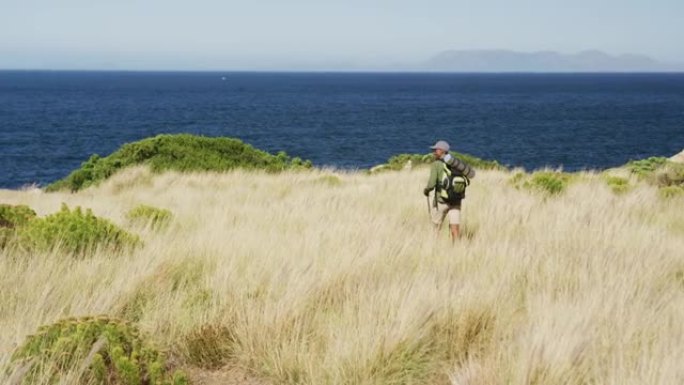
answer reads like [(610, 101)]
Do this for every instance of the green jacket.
[(436, 174)]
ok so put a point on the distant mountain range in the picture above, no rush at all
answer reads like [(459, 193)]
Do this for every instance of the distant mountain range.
[(544, 61)]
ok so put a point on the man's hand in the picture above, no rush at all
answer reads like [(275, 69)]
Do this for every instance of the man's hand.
[(426, 191)]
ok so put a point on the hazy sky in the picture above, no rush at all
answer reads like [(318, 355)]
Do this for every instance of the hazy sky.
[(291, 34)]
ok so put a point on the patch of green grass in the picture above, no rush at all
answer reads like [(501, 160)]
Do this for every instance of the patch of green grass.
[(107, 351), (658, 171), (517, 178), (180, 152), (645, 167), (148, 215), (329, 180), (547, 182), (669, 192), (550, 182), (74, 232), (618, 184)]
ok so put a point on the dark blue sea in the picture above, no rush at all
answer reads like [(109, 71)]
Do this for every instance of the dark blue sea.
[(52, 121)]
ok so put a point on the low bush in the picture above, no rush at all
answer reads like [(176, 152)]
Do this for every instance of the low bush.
[(15, 216), (646, 167), (548, 182), (658, 171), (180, 152), (93, 350), (11, 218), (74, 232), (148, 215)]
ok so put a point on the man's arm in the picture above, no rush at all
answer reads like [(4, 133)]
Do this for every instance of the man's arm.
[(432, 180)]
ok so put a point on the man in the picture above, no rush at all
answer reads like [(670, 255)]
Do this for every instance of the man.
[(441, 207)]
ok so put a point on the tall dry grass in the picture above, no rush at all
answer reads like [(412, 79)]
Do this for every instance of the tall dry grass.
[(337, 278)]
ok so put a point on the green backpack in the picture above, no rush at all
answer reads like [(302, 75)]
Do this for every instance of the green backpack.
[(453, 185)]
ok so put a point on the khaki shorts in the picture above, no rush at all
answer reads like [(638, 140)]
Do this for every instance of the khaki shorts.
[(443, 210)]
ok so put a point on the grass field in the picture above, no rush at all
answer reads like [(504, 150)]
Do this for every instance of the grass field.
[(322, 277)]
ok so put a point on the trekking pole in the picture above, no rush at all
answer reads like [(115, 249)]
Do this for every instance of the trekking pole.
[(427, 199)]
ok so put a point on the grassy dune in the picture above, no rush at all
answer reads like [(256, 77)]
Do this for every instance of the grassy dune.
[(315, 277)]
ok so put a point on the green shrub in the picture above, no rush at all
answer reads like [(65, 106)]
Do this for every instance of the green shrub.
[(397, 162), (104, 350), (15, 216), (180, 152), (618, 184), (149, 215), (646, 167), (11, 218), (658, 171), (548, 182), (74, 232)]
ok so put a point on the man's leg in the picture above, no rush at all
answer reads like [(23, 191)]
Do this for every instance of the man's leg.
[(438, 213), (454, 232), (454, 221)]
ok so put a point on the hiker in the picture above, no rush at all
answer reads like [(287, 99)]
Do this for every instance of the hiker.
[(449, 177)]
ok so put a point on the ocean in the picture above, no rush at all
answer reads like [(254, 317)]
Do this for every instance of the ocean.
[(51, 121)]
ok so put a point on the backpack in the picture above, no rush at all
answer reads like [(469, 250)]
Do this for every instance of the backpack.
[(452, 185)]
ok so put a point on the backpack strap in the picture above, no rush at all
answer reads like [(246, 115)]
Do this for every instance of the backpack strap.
[(444, 180)]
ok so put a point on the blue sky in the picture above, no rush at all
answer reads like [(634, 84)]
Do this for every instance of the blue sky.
[(307, 34)]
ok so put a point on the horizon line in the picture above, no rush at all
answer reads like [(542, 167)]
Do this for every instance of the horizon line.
[(345, 71)]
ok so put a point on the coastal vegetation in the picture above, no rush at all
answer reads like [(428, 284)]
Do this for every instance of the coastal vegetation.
[(12, 218), (337, 277), (180, 152), (107, 351), (72, 232)]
